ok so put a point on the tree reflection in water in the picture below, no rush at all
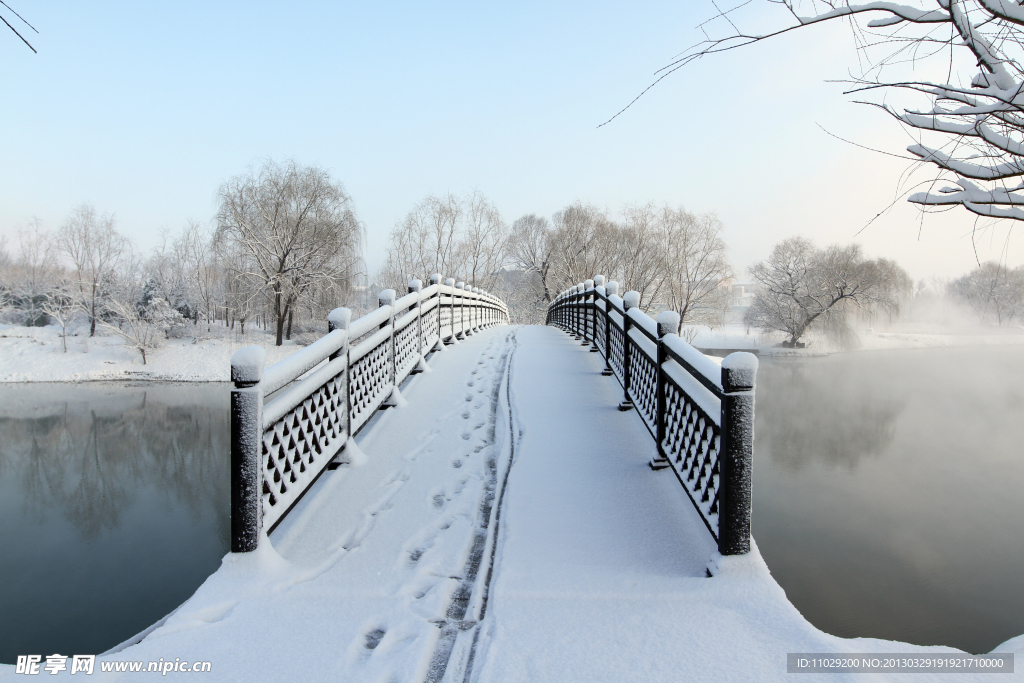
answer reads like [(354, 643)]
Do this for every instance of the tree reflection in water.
[(115, 499), (826, 411), (886, 487)]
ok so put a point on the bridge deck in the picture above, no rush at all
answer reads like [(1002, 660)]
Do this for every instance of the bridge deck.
[(501, 526)]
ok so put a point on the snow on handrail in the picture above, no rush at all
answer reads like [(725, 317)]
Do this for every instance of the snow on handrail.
[(323, 394), (699, 412)]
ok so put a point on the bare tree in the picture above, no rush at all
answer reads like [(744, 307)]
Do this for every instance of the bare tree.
[(484, 242), (426, 241), (695, 267), (641, 260), (963, 56), (193, 250), (993, 289), (583, 243), (530, 250), (296, 226), (95, 249), (33, 273), (801, 286)]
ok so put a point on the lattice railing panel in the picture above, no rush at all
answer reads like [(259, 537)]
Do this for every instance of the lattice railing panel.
[(430, 329), (617, 356), (371, 384), (446, 321), (407, 352), (692, 445), (643, 382), (296, 447)]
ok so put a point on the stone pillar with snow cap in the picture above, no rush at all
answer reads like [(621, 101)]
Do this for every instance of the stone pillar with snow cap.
[(735, 463), (340, 319), (246, 448), (667, 324), (629, 300)]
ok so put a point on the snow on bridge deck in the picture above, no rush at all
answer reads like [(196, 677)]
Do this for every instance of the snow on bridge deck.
[(501, 526)]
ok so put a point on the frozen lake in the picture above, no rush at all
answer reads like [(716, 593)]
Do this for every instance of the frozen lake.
[(114, 508), (888, 492)]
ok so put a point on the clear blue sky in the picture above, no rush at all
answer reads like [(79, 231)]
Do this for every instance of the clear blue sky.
[(143, 109)]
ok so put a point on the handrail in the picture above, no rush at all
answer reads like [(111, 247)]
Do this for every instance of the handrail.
[(325, 393), (700, 412)]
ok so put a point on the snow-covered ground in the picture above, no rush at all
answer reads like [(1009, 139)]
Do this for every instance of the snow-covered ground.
[(36, 354), (500, 526)]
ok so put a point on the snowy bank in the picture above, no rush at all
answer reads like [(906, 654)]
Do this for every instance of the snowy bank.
[(36, 354)]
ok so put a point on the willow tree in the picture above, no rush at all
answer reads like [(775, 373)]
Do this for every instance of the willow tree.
[(297, 229)]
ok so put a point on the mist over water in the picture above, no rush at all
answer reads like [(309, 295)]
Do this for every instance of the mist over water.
[(114, 508), (888, 492)]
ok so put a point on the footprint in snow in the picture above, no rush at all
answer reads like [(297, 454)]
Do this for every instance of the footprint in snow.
[(373, 638)]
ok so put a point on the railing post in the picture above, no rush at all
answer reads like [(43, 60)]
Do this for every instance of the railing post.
[(611, 289), (735, 463), (416, 286), (668, 323), (598, 282), (387, 298), (474, 313), (435, 279), (461, 287), (578, 302), (630, 300), (587, 286), (247, 448), (450, 282), (339, 319)]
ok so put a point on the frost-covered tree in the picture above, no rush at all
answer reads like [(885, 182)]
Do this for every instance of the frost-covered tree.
[(60, 306), (951, 71), (136, 312), (297, 229), (801, 286)]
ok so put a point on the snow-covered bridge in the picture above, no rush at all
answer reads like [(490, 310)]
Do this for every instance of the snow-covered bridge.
[(501, 522)]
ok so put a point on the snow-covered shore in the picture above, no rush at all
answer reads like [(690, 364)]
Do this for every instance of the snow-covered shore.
[(36, 354)]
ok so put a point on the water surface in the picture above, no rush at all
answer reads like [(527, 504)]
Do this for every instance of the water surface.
[(114, 508), (888, 492)]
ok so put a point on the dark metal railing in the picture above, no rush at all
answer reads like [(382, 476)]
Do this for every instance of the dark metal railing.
[(700, 413), (321, 396)]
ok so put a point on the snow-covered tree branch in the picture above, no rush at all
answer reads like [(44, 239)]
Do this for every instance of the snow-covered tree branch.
[(965, 58)]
